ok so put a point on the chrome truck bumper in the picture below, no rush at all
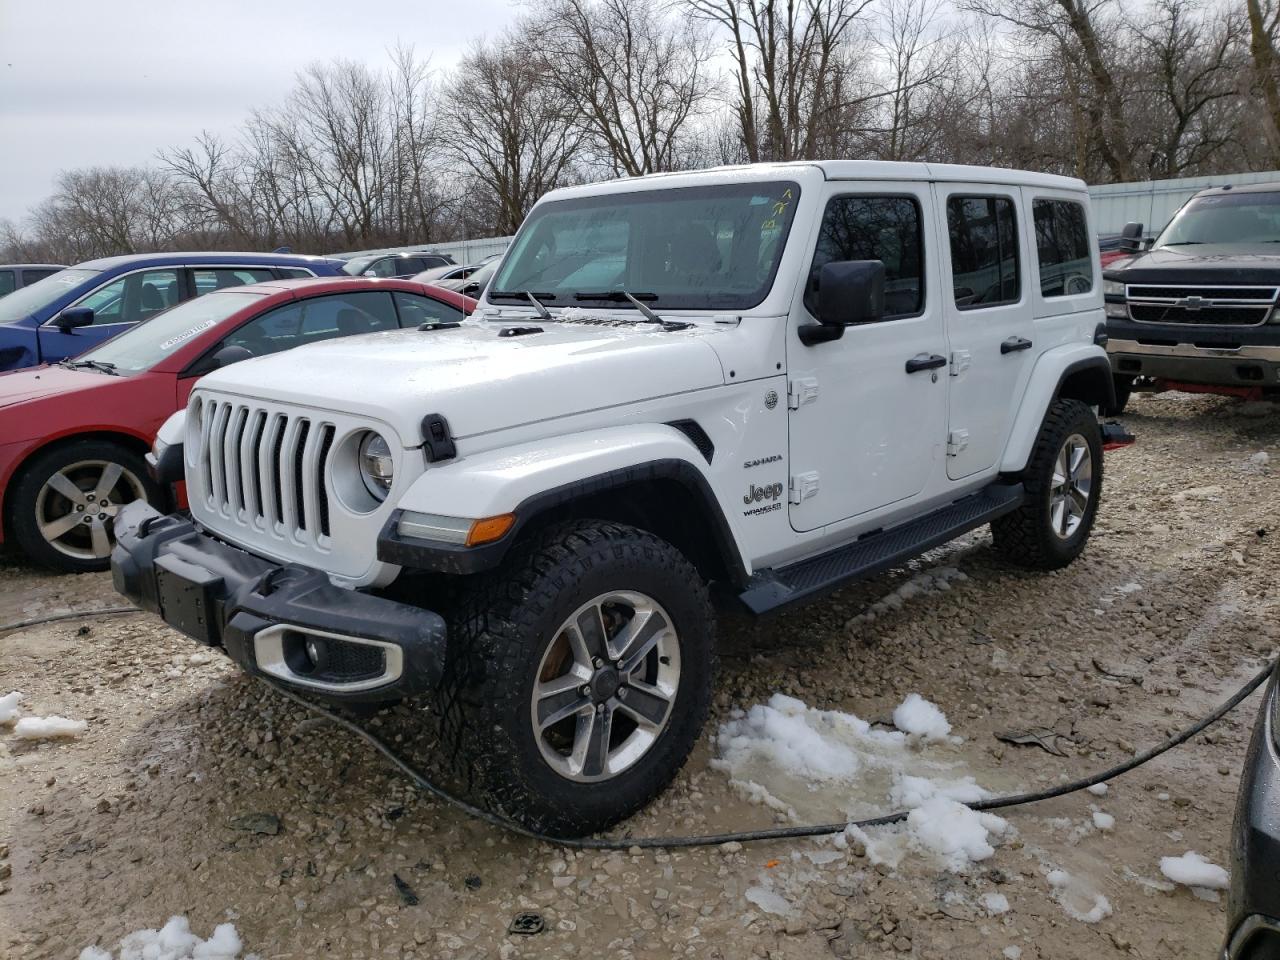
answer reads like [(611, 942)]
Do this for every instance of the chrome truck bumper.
[(287, 622)]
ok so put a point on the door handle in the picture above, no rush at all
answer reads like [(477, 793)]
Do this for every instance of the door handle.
[(925, 361), (1014, 344)]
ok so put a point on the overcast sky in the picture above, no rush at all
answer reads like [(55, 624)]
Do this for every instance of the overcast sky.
[(86, 82)]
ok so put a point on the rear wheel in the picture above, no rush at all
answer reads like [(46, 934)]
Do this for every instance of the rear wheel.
[(579, 676), (64, 504), (1063, 483)]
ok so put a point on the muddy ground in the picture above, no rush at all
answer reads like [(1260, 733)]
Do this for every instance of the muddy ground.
[(1169, 610)]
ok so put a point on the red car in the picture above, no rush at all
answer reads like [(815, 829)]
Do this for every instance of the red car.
[(73, 435)]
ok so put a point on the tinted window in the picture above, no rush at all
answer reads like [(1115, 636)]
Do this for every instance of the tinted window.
[(415, 310), (693, 247), (31, 276), (294, 273), (875, 228), (8, 281), (1062, 247), (219, 278), (133, 298), (1246, 217), (984, 251), (312, 320), (386, 267)]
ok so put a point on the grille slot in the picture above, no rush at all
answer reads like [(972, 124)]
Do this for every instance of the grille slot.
[(266, 470), (1242, 306)]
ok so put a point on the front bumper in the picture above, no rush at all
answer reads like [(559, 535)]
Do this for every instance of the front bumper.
[(1247, 365), (1253, 931), (271, 618)]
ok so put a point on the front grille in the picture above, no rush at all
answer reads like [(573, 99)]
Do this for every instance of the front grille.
[(266, 469), (1206, 306)]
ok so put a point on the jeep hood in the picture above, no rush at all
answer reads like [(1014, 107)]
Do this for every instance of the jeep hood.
[(477, 377), (1200, 263)]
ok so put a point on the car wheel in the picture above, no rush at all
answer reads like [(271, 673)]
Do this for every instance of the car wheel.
[(1063, 483), (63, 505), (579, 677), (1124, 388)]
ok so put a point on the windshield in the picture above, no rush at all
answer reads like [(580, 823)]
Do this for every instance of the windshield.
[(1225, 218), (145, 345), (695, 247), (28, 300)]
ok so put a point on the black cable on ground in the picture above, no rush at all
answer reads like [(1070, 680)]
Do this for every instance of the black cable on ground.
[(69, 615), (775, 833)]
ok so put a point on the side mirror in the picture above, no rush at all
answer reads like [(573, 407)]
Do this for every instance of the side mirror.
[(231, 353), (73, 317), (849, 291), (1131, 238)]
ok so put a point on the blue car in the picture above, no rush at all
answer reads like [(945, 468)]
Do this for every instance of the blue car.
[(67, 313)]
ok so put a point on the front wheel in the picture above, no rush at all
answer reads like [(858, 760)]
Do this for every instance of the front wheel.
[(1063, 483), (64, 502), (578, 676)]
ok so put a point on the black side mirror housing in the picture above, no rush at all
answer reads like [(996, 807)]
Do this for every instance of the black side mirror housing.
[(849, 292), (231, 353), (73, 317), (1131, 238)]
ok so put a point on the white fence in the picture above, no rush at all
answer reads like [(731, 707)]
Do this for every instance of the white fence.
[(1153, 202), (469, 251)]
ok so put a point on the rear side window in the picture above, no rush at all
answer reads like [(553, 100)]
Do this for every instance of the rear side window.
[(875, 228), (8, 282), (31, 276), (1062, 247), (294, 273), (312, 320), (219, 278), (984, 251)]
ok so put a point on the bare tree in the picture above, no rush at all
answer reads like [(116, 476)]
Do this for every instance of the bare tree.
[(1264, 20), (510, 130)]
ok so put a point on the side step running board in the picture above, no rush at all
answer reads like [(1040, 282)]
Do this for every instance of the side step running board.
[(770, 590)]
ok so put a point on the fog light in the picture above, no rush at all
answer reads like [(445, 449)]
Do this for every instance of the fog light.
[(317, 653)]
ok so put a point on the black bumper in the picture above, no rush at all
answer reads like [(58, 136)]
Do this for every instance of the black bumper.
[(1253, 929), (262, 613)]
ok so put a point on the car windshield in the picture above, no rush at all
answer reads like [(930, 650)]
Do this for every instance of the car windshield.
[(1225, 218), (713, 247), (145, 345), (26, 301)]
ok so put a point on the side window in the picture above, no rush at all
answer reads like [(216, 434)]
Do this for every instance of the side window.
[(415, 310), (984, 251), (346, 314), (294, 273), (1062, 247), (208, 279), (408, 266), (31, 276), (386, 267), (875, 228), (8, 281), (136, 297)]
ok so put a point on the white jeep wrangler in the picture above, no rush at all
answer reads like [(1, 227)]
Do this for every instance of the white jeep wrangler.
[(778, 378)]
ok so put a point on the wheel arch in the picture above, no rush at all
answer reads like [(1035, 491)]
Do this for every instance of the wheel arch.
[(130, 441), (1080, 372)]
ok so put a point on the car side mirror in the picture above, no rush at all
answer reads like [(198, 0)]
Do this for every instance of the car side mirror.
[(1131, 238), (849, 292), (73, 317), (226, 356)]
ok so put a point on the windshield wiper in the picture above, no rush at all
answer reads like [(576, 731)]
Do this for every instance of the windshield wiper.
[(520, 295), (1183, 243), (636, 300), (100, 365)]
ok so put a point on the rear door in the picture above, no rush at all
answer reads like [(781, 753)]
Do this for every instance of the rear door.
[(864, 431), (988, 312)]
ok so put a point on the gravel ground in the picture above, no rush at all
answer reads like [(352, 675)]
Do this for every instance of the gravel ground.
[(197, 791)]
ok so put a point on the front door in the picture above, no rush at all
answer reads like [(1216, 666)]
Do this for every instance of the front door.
[(868, 417), (988, 310), (116, 306)]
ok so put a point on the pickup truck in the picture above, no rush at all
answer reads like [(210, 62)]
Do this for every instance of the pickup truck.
[(774, 379)]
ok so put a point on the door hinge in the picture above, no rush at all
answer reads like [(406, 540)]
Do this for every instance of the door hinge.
[(804, 486), (801, 391), (959, 362), (957, 440)]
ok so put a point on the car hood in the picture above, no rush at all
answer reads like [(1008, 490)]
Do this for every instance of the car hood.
[(36, 383), (1207, 263), (481, 376)]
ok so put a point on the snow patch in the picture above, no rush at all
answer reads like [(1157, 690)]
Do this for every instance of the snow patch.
[(1198, 493), (994, 903), (767, 900), (937, 580), (1077, 897), (1193, 870), (49, 728), (173, 941), (1098, 789), (1103, 821), (1012, 953), (9, 707), (917, 716), (957, 835)]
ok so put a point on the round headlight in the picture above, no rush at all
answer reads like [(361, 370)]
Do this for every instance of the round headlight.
[(376, 465)]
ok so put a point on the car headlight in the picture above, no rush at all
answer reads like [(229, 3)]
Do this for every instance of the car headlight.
[(377, 466), (1113, 288)]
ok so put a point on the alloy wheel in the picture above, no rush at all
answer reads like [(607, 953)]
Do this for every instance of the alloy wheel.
[(1072, 486), (77, 506)]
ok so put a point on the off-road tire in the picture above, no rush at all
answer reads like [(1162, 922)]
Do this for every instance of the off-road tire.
[(1124, 389), (498, 632), (1026, 535), (25, 490)]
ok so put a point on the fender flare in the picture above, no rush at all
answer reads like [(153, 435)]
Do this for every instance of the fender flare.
[(534, 478), (1043, 389)]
